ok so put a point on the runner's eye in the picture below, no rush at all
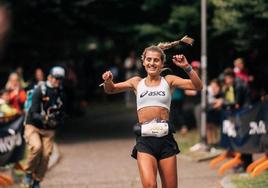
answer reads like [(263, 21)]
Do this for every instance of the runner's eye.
[(148, 59), (156, 60)]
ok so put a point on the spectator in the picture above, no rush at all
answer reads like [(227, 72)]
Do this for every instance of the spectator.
[(214, 102), (5, 109), (17, 94), (240, 70), (236, 95), (236, 92), (44, 116), (38, 77), (19, 71), (214, 106)]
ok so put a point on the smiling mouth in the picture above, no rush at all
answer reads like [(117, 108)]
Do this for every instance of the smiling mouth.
[(152, 67)]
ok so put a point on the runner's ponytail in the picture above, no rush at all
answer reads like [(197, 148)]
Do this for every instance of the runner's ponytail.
[(168, 45)]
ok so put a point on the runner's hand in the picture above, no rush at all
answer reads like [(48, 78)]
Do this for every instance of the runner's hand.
[(180, 61), (107, 76)]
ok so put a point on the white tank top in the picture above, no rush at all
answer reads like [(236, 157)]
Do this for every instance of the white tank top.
[(153, 96)]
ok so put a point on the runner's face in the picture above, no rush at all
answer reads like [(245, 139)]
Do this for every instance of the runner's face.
[(153, 63)]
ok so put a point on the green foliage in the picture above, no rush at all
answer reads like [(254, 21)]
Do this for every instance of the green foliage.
[(242, 19), (52, 30), (152, 4), (69, 27), (146, 31), (184, 17), (260, 181)]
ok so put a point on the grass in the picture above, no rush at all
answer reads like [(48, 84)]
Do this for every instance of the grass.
[(186, 141), (260, 181)]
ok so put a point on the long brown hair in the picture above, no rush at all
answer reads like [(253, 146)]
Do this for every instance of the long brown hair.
[(166, 45)]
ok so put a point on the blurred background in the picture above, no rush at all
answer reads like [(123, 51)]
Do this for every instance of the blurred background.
[(88, 37), (91, 36)]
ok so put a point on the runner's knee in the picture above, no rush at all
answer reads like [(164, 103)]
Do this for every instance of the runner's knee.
[(149, 184)]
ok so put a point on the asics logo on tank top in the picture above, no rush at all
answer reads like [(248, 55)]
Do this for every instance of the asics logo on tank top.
[(152, 93), (159, 95)]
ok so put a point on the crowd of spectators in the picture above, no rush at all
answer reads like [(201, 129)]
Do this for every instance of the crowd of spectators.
[(229, 92)]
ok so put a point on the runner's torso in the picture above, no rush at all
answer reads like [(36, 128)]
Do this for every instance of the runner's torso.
[(153, 101)]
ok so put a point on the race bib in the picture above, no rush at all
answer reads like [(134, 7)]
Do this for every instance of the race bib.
[(155, 129)]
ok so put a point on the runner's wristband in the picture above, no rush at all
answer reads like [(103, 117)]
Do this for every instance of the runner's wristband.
[(188, 69)]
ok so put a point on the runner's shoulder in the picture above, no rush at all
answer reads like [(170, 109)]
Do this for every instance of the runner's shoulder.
[(135, 80), (170, 78)]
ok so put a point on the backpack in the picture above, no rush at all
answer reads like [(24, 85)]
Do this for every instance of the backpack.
[(29, 95)]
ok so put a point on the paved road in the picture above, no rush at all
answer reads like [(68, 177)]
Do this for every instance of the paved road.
[(96, 154)]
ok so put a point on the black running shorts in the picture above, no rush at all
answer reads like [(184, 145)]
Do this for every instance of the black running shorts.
[(160, 148)]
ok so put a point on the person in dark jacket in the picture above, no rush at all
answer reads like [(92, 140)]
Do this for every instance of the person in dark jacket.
[(236, 94), (42, 119)]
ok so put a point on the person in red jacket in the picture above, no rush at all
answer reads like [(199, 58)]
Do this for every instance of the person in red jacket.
[(17, 95)]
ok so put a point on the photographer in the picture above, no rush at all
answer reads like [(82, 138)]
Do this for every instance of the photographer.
[(42, 119)]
